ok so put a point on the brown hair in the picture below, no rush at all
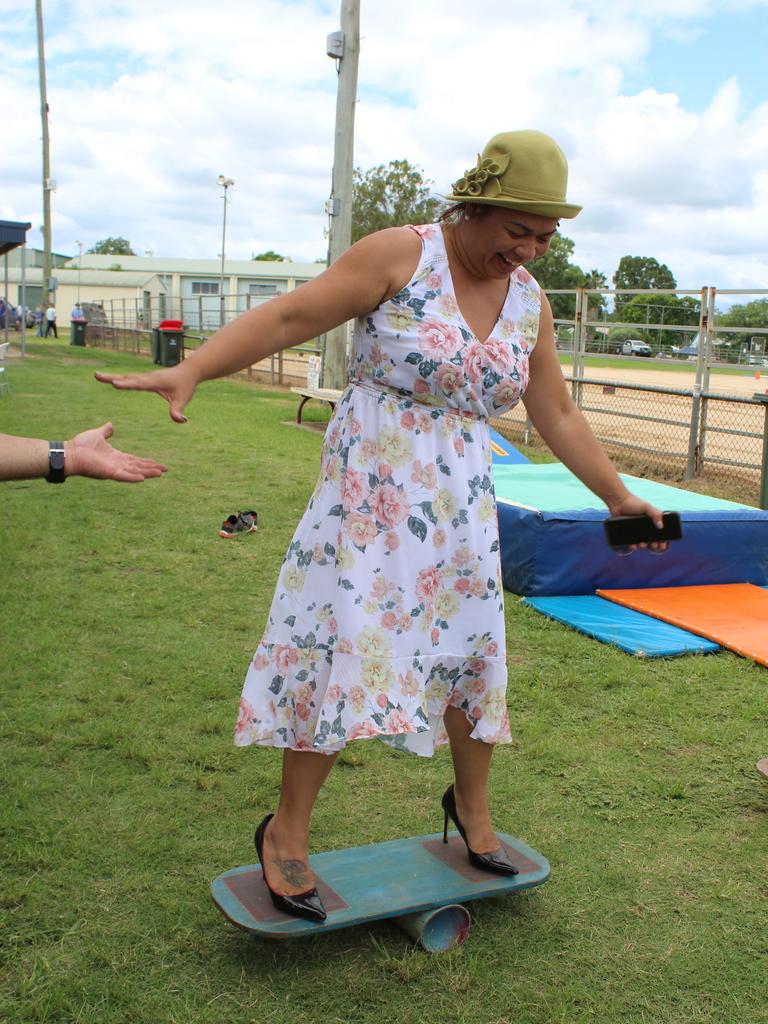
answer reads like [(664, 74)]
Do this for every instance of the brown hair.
[(458, 212)]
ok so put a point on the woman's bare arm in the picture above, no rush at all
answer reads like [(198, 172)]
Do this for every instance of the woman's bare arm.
[(566, 431), (370, 271)]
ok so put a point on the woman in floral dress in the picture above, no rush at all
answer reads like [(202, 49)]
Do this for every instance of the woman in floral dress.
[(387, 620)]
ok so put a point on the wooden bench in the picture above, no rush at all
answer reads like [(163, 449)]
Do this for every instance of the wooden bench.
[(329, 395)]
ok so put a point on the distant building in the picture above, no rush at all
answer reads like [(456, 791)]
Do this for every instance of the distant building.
[(143, 290), (191, 287)]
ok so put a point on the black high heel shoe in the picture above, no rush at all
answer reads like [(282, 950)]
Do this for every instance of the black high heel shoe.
[(498, 861), (306, 904)]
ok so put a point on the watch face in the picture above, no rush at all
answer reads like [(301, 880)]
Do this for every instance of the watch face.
[(55, 462)]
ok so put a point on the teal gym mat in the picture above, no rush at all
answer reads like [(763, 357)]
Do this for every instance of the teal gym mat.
[(550, 487)]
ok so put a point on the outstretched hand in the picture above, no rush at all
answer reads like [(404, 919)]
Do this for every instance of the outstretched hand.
[(90, 454), (171, 384)]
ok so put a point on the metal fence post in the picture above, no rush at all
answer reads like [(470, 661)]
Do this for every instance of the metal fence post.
[(694, 461), (693, 464), (704, 358), (579, 344), (763, 399)]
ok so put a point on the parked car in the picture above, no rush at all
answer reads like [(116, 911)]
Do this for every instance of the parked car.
[(635, 347), (14, 320)]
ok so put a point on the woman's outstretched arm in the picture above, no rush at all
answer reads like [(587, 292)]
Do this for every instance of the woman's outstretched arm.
[(366, 274)]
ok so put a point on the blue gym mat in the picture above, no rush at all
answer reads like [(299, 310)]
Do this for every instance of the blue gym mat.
[(629, 630), (503, 452), (553, 543)]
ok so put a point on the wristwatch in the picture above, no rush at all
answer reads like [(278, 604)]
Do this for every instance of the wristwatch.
[(55, 462)]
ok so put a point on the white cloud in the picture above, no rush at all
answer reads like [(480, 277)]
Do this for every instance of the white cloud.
[(150, 102)]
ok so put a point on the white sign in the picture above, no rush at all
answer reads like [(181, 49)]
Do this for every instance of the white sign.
[(313, 371)]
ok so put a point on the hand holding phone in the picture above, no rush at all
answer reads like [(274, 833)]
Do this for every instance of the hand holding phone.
[(625, 531)]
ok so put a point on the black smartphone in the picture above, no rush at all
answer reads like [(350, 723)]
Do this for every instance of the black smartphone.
[(623, 531)]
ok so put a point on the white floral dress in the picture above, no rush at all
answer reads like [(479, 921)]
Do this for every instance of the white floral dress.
[(389, 606)]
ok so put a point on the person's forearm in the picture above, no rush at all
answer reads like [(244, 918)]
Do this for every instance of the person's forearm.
[(23, 458), (253, 336), (571, 439)]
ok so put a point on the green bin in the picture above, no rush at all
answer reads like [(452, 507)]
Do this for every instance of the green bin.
[(77, 334), (155, 345), (171, 346)]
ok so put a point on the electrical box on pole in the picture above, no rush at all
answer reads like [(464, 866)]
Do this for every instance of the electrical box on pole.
[(344, 48)]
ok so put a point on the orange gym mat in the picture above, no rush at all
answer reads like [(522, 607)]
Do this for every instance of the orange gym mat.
[(734, 615)]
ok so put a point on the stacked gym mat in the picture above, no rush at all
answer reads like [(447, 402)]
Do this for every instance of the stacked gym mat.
[(554, 553)]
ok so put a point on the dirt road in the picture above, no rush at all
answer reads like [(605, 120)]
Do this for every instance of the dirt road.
[(744, 384)]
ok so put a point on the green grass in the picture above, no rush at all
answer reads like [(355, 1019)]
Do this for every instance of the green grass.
[(127, 628)]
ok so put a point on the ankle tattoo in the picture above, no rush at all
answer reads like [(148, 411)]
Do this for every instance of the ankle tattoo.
[(294, 872)]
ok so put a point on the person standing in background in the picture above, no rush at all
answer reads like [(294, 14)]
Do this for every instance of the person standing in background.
[(50, 321)]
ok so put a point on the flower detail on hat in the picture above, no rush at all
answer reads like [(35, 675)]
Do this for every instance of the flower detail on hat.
[(482, 179)]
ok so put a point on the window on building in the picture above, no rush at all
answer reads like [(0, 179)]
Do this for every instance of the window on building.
[(205, 287), (262, 289)]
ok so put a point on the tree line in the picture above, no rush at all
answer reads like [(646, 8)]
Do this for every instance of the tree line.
[(398, 193)]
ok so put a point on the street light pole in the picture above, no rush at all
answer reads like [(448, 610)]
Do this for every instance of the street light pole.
[(226, 183), (48, 184)]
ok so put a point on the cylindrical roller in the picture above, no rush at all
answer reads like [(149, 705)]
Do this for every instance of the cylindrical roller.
[(439, 929)]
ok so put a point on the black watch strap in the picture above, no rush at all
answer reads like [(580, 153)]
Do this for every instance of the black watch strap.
[(55, 462)]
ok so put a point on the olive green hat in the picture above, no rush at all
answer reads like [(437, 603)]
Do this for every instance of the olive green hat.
[(523, 170)]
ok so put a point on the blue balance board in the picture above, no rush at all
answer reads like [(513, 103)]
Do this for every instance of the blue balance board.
[(384, 880)]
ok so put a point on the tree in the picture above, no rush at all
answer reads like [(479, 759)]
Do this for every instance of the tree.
[(555, 270), (391, 196), (749, 315), (270, 256), (113, 247), (640, 272), (596, 279), (661, 309)]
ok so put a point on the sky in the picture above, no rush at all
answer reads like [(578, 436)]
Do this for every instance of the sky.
[(660, 106)]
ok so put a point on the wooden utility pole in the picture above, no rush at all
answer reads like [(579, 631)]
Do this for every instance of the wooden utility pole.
[(344, 47), (47, 184)]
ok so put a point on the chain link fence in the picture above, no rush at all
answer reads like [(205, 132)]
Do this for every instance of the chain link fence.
[(710, 440), (126, 325), (713, 442)]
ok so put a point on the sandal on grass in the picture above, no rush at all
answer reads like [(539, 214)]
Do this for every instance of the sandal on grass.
[(243, 522), (250, 520)]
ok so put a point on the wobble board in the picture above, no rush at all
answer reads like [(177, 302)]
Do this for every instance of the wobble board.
[(368, 883)]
